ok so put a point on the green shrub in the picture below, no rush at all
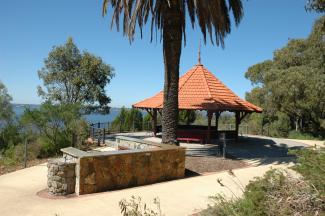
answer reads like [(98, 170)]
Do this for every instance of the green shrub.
[(276, 193), (54, 126), (302, 136), (10, 135), (147, 125), (9, 156), (311, 165), (127, 120)]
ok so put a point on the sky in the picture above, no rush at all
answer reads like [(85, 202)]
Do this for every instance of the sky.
[(30, 29)]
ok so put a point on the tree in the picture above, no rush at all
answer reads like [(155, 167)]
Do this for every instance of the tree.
[(70, 76), (147, 123), (127, 120), (55, 125), (291, 86), (119, 122), (134, 120), (316, 5), (6, 112), (10, 134), (169, 17), (187, 116)]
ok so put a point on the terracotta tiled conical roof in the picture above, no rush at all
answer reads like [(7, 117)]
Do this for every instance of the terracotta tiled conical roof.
[(199, 89)]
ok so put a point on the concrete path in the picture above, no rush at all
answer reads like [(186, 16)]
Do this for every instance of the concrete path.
[(180, 197), (257, 150), (311, 143)]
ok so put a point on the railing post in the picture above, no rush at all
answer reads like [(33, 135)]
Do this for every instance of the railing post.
[(98, 138), (104, 136), (25, 158)]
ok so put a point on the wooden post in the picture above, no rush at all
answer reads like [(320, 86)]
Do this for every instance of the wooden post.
[(154, 121), (104, 136), (217, 114), (209, 126), (98, 137), (237, 123), (73, 141), (25, 159)]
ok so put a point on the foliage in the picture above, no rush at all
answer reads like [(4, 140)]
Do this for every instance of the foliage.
[(6, 112), (135, 207), (276, 193), (301, 136), (311, 166), (187, 116), (70, 76), (169, 18), (211, 16), (291, 87), (147, 124), (55, 126), (316, 5), (200, 118), (127, 120), (10, 135)]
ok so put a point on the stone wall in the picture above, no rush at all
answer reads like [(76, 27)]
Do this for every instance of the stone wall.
[(61, 177), (128, 168), (133, 143), (71, 154)]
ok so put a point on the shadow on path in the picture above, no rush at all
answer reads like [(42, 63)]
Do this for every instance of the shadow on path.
[(263, 150)]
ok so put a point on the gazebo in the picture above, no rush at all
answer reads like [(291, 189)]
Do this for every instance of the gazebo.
[(199, 89)]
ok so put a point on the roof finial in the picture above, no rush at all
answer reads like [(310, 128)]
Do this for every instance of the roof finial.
[(199, 53)]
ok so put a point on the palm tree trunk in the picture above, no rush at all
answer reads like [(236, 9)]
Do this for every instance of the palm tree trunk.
[(172, 44)]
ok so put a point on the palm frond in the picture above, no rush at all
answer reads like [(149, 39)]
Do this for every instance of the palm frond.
[(212, 16)]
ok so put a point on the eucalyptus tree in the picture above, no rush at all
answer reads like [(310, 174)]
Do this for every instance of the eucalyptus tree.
[(316, 5), (169, 18), (73, 77), (293, 84), (6, 112)]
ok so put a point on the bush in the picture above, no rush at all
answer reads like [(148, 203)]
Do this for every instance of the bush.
[(54, 126), (12, 155), (9, 136), (127, 120), (276, 193), (311, 165), (302, 136), (147, 125), (135, 207)]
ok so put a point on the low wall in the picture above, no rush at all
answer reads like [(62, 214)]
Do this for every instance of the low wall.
[(61, 178), (143, 163), (116, 171), (123, 142)]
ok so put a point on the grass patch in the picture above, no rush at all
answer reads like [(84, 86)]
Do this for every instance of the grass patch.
[(302, 136)]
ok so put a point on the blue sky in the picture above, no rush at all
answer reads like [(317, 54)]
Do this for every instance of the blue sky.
[(29, 29)]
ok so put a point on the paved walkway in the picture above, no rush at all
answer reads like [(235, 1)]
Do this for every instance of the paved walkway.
[(180, 197), (257, 150)]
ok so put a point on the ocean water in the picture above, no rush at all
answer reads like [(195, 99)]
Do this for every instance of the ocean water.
[(92, 118)]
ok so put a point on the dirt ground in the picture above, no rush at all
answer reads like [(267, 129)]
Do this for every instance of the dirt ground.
[(207, 164), (7, 169)]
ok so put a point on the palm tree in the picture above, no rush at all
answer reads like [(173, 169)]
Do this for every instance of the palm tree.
[(169, 18)]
